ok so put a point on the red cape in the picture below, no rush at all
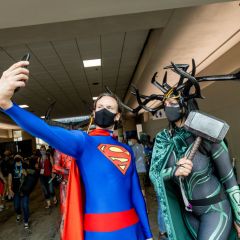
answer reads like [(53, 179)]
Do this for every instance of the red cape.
[(73, 222)]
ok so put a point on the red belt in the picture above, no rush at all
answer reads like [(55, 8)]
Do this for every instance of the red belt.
[(108, 222)]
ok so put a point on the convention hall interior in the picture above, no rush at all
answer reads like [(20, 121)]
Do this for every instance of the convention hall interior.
[(130, 41)]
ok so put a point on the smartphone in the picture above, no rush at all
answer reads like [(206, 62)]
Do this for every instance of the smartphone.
[(26, 57)]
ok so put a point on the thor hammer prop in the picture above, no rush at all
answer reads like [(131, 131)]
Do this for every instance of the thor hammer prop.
[(203, 126)]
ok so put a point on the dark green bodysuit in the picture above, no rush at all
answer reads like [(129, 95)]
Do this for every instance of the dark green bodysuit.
[(212, 176)]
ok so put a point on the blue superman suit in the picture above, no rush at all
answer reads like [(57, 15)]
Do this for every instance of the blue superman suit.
[(110, 186)]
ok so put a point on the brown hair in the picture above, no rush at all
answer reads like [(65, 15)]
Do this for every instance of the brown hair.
[(43, 146), (108, 95)]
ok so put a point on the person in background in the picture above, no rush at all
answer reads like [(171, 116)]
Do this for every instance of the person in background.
[(35, 156), (45, 163), (51, 150), (15, 180), (6, 163), (31, 179), (140, 160), (148, 147), (2, 187)]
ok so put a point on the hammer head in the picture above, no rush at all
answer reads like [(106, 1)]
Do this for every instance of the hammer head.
[(206, 126)]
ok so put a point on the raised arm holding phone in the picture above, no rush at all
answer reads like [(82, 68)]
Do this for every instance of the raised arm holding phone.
[(114, 206)]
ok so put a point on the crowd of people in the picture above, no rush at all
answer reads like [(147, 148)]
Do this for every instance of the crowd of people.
[(19, 176)]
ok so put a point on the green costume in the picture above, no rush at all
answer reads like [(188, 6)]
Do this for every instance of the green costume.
[(210, 191), (169, 147)]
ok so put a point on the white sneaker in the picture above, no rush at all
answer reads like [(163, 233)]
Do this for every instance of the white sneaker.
[(26, 226), (18, 218)]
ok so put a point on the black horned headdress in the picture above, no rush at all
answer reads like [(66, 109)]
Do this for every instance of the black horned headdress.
[(182, 90)]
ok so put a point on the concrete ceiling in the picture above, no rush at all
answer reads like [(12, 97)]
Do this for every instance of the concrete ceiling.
[(204, 33), (28, 12), (57, 72), (57, 51), (132, 40)]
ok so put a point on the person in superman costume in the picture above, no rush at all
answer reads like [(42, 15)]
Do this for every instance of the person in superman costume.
[(114, 208)]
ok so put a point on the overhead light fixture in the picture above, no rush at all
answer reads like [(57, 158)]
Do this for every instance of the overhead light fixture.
[(92, 63), (43, 117), (23, 106), (94, 98)]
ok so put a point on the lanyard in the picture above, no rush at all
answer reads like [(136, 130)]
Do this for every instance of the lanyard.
[(17, 171)]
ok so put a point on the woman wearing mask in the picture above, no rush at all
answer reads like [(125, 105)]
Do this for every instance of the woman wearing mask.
[(16, 177), (45, 163), (204, 184)]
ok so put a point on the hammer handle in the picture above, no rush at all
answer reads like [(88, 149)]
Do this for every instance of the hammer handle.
[(195, 147)]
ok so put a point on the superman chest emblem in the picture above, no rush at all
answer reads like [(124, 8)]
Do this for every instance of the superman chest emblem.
[(118, 155)]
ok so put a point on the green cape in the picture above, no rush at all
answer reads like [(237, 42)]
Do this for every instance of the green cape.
[(170, 202)]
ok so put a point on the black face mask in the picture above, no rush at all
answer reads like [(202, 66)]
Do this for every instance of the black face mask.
[(104, 118), (173, 113)]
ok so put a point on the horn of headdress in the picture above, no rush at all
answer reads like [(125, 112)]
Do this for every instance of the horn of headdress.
[(218, 78), (182, 87), (49, 110), (147, 99), (157, 84), (192, 81), (122, 104)]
